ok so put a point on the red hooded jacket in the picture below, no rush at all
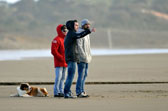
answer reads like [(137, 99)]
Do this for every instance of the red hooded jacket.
[(57, 48)]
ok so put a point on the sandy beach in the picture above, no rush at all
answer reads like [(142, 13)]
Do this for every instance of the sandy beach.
[(151, 67), (102, 98), (107, 97)]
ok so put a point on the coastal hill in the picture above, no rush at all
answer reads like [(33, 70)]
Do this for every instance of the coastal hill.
[(30, 24)]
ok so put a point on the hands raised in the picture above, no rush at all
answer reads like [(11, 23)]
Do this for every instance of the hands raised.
[(93, 30)]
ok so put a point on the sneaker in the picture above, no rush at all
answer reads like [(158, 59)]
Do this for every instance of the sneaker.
[(59, 95), (82, 95), (56, 96), (85, 94), (69, 95)]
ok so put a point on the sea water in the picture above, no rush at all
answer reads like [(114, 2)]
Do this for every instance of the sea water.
[(24, 54)]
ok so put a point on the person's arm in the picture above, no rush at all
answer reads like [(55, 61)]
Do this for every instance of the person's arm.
[(82, 34), (54, 50)]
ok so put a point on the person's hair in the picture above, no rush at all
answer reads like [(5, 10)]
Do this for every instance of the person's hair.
[(75, 20)]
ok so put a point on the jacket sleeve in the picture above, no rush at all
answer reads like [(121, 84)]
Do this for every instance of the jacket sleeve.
[(82, 34), (54, 50)]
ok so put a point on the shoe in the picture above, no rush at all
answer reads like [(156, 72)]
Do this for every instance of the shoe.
[(85, 94), (82, 95), (56, 96), (69, 95), (59, 95)]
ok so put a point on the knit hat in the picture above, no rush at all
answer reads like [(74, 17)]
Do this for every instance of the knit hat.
[(85, 21)]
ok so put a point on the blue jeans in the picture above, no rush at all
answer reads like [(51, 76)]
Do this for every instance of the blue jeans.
[(59, 80), (82, 74), (70, 77)]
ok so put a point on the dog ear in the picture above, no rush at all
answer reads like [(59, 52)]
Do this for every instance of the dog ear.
[(24, 86), (21, 86)]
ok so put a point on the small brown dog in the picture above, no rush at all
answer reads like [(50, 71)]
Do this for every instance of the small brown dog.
[(25, 90)]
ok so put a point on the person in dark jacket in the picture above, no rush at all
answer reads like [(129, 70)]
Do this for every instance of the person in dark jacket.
[(71, 53), (58, 51)]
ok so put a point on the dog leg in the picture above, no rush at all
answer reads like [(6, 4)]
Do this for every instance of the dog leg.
[(26, 95), (14, 95), (44, 91)]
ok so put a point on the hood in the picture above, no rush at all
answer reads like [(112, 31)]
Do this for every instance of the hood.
[(70, 24), (59, 32)]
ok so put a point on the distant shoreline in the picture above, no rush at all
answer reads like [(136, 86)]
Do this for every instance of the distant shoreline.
[(40, 53)]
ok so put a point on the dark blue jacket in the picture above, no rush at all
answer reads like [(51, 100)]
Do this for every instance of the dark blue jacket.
[(70, 43)]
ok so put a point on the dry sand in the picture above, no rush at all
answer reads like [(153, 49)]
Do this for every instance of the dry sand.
[(102, 68), (121, 97), (112, 97)]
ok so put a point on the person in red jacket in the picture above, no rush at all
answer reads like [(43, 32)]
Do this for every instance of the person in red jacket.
[(58, 51)]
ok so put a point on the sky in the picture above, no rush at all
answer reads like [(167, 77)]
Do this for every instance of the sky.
[(13, 1), (10, 1)]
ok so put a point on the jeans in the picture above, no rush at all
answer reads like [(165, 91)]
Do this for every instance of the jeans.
[(59, 79), (70, 77), (82, 74)]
